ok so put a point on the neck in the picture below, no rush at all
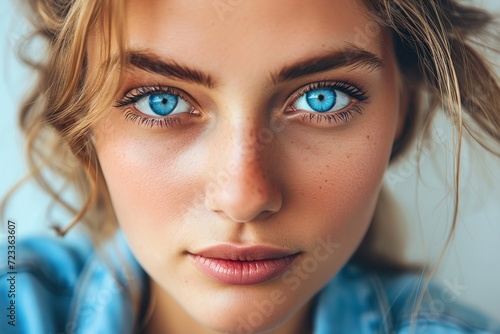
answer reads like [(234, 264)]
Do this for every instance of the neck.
[(168, 317)]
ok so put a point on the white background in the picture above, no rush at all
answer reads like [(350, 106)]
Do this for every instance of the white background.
[(473, 261)]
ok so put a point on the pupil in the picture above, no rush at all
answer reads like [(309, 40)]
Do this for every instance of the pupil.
[(164, 101), (321, 97)]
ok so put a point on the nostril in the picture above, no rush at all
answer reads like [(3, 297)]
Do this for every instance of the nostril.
[(244, 204), (241, 218)]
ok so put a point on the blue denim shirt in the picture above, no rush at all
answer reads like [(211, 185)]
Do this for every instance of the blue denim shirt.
[(64, 286)]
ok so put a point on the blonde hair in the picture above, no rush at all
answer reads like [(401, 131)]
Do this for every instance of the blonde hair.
[(67, 99), (438, 47), (436, 44)]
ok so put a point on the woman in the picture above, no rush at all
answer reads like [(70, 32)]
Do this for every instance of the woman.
[(238, 149)]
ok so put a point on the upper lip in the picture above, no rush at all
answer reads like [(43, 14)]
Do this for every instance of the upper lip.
[(243, 253)]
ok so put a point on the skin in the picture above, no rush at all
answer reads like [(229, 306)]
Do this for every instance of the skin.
[(209, 180)]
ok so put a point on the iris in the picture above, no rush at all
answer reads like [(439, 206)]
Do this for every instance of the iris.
[(321, 100), (163, 104)]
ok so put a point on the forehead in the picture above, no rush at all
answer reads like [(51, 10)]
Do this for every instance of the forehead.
[(231, 34)]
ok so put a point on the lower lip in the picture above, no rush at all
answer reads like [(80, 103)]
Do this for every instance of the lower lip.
[(242, 272)]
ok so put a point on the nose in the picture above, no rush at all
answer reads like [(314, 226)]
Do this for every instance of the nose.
[(245, 188)]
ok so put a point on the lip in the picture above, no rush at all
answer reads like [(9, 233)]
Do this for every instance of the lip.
[(236, 265)]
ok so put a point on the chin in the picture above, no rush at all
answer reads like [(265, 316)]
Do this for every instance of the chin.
[(242, 324), (246, 316)]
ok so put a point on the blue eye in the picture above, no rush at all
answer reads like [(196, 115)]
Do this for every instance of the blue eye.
[(162, 104), (322, 100)]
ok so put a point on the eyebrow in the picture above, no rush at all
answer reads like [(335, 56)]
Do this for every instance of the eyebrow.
[(168, 67), (350, 57)]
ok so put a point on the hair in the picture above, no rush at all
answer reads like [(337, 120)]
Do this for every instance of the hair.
[(67, 99), (437, 47)]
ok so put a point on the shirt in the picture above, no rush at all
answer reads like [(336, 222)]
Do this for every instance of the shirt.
[(59, 285)]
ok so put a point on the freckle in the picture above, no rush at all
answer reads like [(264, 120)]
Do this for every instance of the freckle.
[(326, 181), (368, 137), (327, 166), (308, 147), (320, 187)]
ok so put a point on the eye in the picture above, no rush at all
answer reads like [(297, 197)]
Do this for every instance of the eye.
[(162, 104), (322, 100)]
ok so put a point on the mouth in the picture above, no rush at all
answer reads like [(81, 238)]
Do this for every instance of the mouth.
[(234, 265)]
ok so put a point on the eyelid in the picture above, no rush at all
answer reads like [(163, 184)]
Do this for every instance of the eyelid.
[(344, 86), (132, 114), (357, 93), (135, 94)]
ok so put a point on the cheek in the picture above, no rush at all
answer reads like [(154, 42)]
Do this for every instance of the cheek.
[(334, 177), (332, 193), (338, 177), (148, 177), (333, 180), (333, 187)]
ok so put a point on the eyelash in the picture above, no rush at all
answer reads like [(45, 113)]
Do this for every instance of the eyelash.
[(165, 122), (331, 117), (136, 94)]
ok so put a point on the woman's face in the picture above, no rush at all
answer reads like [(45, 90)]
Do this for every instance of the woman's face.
[(246, 150)]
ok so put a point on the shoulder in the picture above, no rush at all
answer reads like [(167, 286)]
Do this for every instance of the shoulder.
[(65, 286), (440, 309), (364, 301), (37, 281)]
